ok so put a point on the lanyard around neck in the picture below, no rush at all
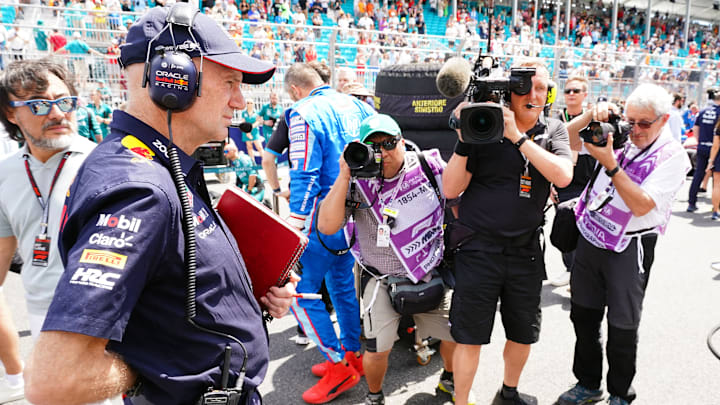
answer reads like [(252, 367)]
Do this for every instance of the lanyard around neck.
[(45, 206)]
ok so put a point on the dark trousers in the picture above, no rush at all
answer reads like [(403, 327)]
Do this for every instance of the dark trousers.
[(603, 279), (701, 160), (588, 359)]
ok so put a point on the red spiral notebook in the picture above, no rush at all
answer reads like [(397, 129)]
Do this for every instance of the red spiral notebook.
[(270, 246)]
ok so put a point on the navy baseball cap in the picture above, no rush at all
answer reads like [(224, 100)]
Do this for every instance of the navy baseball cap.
[(215, 43)]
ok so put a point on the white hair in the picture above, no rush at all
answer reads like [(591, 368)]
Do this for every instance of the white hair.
[(648, 95)]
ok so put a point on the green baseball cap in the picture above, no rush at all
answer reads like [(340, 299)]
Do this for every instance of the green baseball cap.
[(379, 123)]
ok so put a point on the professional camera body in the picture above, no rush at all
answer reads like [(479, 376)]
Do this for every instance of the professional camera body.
[(211, 154), (596, 132), (363, 160), (481, 122)]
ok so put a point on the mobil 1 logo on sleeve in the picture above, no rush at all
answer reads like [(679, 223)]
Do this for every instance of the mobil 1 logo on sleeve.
[(122, 222)]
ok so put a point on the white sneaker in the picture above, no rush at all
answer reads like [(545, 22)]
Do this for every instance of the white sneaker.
[(10, 393), (561, 280), (715, 266), (301, 340)]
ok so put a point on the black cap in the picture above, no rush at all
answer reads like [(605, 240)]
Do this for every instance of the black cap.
[(215, 44)]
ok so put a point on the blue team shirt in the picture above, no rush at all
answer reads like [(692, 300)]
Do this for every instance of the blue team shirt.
[(320, 126), (124, 280), (706, 120)]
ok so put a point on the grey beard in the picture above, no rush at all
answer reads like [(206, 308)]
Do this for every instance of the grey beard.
[(53, 143), (60, 142)]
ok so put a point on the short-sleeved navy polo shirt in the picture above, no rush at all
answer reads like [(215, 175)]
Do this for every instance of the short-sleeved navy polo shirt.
[(124, 278)]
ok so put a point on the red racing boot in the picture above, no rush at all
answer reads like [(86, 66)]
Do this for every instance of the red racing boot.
[(339, 378), (320, 369)]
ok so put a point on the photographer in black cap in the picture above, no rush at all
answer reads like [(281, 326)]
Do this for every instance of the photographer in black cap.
[(504, 187)]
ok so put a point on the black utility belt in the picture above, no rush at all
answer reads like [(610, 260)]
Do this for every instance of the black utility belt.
[(526, 244)]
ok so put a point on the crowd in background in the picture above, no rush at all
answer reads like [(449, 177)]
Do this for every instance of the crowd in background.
[(377, 34)]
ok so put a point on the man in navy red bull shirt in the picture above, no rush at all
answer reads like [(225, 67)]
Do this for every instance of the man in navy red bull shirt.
[(118, 319)]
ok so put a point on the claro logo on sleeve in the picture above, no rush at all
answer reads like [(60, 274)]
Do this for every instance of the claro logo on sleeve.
[(104, 258)]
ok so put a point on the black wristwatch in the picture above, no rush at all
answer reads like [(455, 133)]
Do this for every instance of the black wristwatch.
[(276, 190), (612, 172), (521, 141)]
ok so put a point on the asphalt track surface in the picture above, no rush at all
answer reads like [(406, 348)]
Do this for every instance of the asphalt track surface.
[(675, 366)]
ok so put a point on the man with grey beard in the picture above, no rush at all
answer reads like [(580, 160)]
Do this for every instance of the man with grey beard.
[(37, 107)]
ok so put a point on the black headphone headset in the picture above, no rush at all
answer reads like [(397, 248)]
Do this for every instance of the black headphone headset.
[(174, 81)]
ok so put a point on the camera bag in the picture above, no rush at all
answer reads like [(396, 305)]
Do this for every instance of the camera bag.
[(408, 298), (564, 233)]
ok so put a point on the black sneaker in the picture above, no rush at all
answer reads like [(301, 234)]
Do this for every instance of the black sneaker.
[(375, 399), (517, 399)]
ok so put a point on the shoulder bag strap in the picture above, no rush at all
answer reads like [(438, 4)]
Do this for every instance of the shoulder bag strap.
[(429, 174)]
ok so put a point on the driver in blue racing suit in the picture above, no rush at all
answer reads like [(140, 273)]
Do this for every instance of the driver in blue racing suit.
[(320, 124)]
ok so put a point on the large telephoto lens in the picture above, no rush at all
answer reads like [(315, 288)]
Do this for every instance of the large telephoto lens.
[(358, 155)]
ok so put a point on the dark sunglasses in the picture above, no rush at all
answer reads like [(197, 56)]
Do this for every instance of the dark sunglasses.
[(43, 107), (388, 145), (574, 91), (643, 124)]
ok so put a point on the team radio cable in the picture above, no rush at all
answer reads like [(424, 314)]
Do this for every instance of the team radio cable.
[(188, 228)]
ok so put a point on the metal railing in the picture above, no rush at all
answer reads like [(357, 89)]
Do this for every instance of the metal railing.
[(611, 74)]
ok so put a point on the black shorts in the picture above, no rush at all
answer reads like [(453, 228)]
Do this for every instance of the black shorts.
[(601, 277), (483, 277)]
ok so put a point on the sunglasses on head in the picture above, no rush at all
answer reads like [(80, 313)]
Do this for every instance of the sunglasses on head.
[(43, 107), (643, 124), (388, 145), (574, 91)]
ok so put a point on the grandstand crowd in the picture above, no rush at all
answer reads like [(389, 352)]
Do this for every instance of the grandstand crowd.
[(373, 34)]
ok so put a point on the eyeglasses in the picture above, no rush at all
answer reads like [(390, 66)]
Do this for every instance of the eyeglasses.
[(643, 124), (43, 107), (388, 145), (574, 91)]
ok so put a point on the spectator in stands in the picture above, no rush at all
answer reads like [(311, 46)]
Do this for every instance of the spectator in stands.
[(79, 65), (317, 138), (40, 37), (101, 111), (18, 42), (27, 220), (345, 75), (317, 22), (252, 139), (298, 17), (365, 22)]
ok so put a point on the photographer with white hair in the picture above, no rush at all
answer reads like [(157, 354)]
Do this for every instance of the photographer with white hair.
[(626, 204)]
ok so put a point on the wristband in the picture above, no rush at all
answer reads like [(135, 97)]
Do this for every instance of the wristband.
[(612, 172), (521, 141), (463, 149), (276, 190)]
